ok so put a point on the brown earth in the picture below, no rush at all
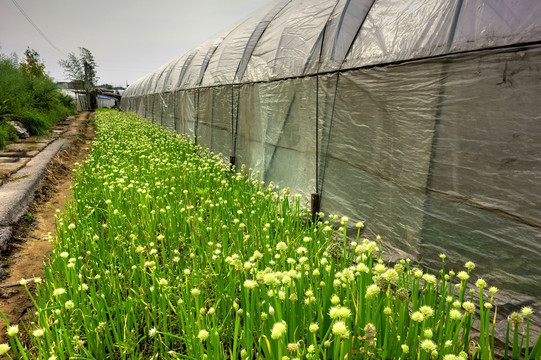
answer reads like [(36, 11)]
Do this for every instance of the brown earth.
[(29, 246)]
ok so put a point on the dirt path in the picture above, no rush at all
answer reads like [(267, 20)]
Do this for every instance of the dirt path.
[(30, 245)]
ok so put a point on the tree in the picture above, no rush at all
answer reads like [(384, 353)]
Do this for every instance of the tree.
[(33, 67), (82, 71)]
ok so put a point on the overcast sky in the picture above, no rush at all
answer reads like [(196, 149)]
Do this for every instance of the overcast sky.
[(128, 38)]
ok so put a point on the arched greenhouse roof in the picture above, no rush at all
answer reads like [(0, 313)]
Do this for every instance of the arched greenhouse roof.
[(293, 38)]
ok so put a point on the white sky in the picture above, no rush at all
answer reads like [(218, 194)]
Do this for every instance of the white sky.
[(128, 38)]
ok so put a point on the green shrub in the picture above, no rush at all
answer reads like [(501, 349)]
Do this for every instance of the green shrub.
[(7, 134), (34, 121), (34, 101)]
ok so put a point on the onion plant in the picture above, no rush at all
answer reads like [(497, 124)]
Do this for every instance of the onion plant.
[(166, 252)]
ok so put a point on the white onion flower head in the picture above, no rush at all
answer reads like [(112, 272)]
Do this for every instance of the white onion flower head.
[(59, 291), (195, 292), (340, 329), (527, 311), (390, 275), (427, 311), (69, 304), (455, 314), (4, 348), (428, 345), (379, 268), (463, 276), (372, 291), (314, 327), (203, 335), (481, 284), (278, 330), (429, 278), (468, 306), (38, 333), (250, 284), (417, 316), (13, 330)]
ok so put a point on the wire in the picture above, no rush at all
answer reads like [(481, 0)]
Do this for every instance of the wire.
[(36, 27)]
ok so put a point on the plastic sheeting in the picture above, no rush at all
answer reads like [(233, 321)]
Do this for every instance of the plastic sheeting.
[(420, 118)]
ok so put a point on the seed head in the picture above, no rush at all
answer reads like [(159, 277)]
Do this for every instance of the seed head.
[(516, 319), (402, 294), (335, 250), (370, 331), (469, 265), (314, 327), (38, 333)]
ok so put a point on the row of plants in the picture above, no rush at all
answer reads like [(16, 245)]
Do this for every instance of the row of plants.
[(29, 96), (166, 252)]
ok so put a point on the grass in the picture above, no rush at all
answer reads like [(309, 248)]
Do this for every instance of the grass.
[(165, 252)]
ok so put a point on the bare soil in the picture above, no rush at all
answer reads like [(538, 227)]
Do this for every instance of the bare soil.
[(29, 246)]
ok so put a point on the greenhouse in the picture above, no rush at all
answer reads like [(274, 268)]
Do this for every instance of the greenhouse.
[(418, 117)]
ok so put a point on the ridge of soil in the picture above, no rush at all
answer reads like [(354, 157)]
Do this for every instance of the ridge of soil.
[(29, 246)]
